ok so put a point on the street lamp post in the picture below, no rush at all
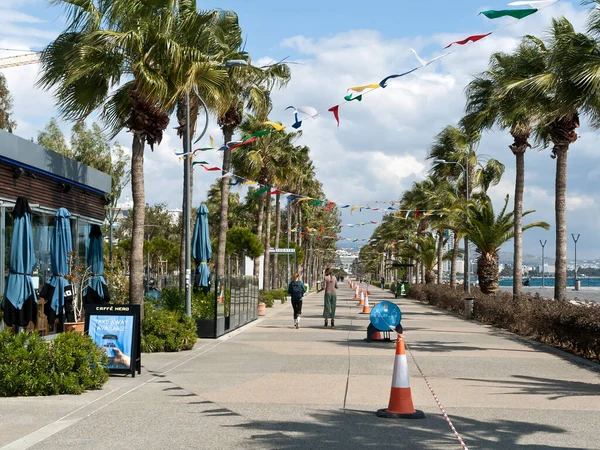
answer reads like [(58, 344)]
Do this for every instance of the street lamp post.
[(575, 239), (543, 244), (465, 168)]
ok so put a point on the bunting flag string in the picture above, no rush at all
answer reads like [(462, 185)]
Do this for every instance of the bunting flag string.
[(534, 6)]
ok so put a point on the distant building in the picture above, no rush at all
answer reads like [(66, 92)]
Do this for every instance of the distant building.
[(344, 260), (547, 269)]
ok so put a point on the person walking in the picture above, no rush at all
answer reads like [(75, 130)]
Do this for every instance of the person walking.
[(330, 284), (382, 282), (296, 289)]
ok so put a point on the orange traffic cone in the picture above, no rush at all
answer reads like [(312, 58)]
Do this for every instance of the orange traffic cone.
[(356, 294), (366, 307), (401, 404), (362, 299), (222, 295)]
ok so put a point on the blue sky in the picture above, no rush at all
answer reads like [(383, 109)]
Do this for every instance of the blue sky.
[(379, 149)]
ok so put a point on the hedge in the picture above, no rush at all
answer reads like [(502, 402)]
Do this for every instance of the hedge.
[(571, 327), (167, 331), (70, 364)]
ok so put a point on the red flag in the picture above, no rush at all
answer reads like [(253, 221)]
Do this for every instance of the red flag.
[(275, 191), (211, 169), (330, 206), (474, 38), (335, 111)]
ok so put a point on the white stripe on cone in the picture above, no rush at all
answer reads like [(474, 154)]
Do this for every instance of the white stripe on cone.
[(400, 378)]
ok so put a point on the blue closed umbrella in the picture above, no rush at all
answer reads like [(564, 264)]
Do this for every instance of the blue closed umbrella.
[(61, 245), (201, 248), (20, 304), (96, 291)]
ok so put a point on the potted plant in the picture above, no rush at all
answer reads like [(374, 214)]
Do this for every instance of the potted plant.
[(78, 278)]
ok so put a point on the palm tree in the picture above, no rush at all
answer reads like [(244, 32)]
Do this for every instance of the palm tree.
[(489, 104), (459, 146), (425, 250), (261, 161), (564, 85), (247, 87), (489, 232), (125, 57)]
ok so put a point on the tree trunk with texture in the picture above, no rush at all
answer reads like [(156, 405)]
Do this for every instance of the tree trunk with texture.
[(275, 283), (487, 273), (518, 229), (440, 252), (560, 275), (136, 273), (259, 227), (429, 276), (453, 264), (224, 215), (267, 263)]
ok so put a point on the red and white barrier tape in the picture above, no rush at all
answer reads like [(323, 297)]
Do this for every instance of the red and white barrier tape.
[(437, 400)]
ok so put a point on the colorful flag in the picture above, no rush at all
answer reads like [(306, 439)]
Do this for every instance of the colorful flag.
[(336, 114), (514, 13), (474, 38)]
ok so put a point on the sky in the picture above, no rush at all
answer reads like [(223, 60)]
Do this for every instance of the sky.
[(379, 149)]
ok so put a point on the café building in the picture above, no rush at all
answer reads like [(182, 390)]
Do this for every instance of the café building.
[(49, 181)]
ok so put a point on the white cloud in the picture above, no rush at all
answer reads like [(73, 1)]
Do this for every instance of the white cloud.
[(380, 147)]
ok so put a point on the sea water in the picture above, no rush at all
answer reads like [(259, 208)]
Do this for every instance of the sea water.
[(549, 281)]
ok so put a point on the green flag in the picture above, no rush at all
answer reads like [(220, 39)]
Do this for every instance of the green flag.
[(349, 98), (516, 13), (262, 190)]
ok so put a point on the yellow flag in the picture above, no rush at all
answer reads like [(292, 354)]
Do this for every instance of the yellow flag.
[(212, 142), (354, 208), (275, 125), (304, 199), (251, 183), (362, 88)]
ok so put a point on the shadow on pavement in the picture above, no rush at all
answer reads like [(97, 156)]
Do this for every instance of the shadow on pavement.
[(356, 429), (553, 389)]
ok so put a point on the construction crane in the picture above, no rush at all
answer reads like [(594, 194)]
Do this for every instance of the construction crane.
[(20, 60)]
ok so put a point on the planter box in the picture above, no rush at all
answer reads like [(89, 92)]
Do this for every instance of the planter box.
[(205, 328)]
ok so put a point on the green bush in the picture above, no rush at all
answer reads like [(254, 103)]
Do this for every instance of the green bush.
[(70, 364), (203, 305), (167, 331), (575, 328), (269, 297), (171, 299)]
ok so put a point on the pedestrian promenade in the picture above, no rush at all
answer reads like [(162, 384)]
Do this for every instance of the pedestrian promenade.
[(271, 386)]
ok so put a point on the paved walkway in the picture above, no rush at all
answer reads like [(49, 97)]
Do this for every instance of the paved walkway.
[(270, 386)]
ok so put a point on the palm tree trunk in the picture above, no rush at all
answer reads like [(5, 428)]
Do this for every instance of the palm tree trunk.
[(267, 264), (259, 227), (277, 236), (223, 220), (560, 276), (518, 230), (136, 273), (440, 252), (453, 264), (487, 273), (429, 276)]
